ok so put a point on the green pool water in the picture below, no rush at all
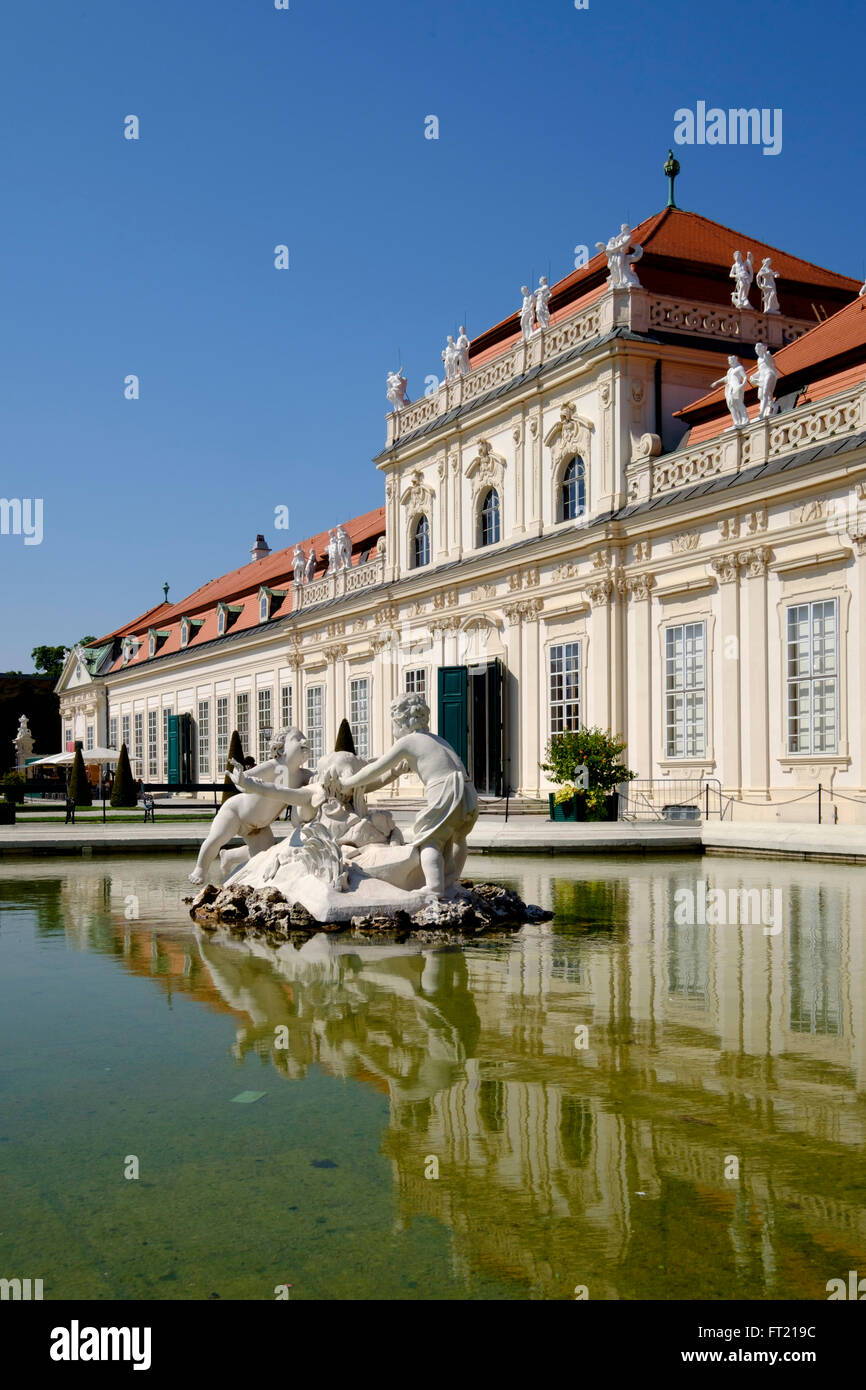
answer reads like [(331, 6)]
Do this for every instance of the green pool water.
[(622, 1100)]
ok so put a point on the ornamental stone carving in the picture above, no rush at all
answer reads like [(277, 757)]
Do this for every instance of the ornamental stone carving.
[(418, 496), (387, 613), (448, 623), (484, 591), (647, 447), (756, 521), (754, 562), (638, 586), (445, 598), (641, 550), (600, 590), (813, 510), (686, 540), (336, 651), (725, 568), (729, 528), (566, 571), (569, 436), (522, 610), (486, 469)]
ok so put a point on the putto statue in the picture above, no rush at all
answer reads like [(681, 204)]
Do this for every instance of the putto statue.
[(265, 792), (441, 830), (620, 263), (463, 352), (766, 281), (396, 390), (734, 382), (299, 564), (527, 313), (742, 273), (451, 359), (765, 379), (542, 303)]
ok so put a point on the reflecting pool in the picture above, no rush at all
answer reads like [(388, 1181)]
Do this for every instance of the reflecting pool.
[(659, 1094)]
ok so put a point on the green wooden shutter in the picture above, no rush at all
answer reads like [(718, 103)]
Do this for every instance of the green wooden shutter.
[(173, 750), (453, 708)]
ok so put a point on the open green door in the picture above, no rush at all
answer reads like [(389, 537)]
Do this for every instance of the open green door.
[(453, 710)]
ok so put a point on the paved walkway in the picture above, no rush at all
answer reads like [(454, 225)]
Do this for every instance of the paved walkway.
[(492, 835)]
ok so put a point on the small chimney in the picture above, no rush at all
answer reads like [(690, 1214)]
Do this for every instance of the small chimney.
[(260, 549)]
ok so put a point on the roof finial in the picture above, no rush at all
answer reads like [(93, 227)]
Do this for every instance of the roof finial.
[(165, 591), (672, 168)]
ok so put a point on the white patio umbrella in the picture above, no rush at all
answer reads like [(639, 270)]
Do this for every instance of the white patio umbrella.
[(90, 755)]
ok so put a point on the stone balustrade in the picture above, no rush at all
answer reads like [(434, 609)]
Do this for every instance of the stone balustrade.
[(338, 584)]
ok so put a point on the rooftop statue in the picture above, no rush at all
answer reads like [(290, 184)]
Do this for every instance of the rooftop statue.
[(311, 564), (620, 263), (742, 273), (542, 303), (527, 313), (463, 352), (396, 390), (299, 565), (344, 548), (333, 552), (734, 382), (265, 792), (766, 281), (765, 379), (451, 359)]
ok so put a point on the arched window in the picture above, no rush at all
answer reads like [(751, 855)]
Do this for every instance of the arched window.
[(572, 491), (490, 518), (421, 543)]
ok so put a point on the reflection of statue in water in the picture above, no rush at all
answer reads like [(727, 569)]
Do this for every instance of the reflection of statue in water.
[(265, 792), (441, 830)]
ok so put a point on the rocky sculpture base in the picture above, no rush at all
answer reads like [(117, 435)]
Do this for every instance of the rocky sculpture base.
[(476, 910)]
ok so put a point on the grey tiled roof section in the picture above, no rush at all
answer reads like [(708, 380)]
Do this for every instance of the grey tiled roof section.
[(516, 383)]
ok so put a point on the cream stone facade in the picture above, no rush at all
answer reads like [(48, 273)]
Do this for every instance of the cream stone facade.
[(550, 533)]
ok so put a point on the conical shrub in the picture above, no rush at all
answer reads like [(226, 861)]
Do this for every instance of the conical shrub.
[(345, 743), (236, 751), (123, 788), (79, 787)]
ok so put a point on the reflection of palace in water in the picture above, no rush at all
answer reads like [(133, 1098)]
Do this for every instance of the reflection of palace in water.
[(605, 1166)]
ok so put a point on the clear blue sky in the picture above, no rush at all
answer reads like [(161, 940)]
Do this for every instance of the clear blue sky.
[(259, 387)]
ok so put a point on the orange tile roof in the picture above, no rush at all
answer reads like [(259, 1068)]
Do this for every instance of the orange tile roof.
[(239, 588), (678, 244), (829, 358)]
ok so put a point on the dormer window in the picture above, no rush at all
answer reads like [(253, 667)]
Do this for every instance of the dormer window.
[(270, 601), (129, 649), (184, 631), (227, 613), (151, 643)]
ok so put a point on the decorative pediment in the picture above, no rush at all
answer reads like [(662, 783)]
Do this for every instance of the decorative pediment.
[(417, 496), (570, 435), (486, 469)]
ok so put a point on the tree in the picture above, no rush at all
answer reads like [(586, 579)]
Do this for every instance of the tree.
[(49, 659), (236, 751), (345, 742), (123, 789), (79, 788)]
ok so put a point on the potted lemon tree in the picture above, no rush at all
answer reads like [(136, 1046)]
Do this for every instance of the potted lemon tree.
[(600, 753)]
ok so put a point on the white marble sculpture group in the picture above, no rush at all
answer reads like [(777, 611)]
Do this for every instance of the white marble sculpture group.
[(535, 308), (621, 261), (743, 273), (736, 379), (455, 356), (339, 553), (395, 390), (343, 858)]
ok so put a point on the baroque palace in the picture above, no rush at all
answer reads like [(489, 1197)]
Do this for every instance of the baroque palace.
[(580, 526)]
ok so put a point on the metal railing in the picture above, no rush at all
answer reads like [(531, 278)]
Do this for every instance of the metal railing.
[(672, 799)]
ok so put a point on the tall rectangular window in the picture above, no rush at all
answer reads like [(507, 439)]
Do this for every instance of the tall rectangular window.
[(242, 719), (685, 691), (152, 745), (415, 682), (138, 733), (222, 733), (564, 662), (67, 736), (204, 740), (813, 677), (88, 741), (124, 731), (265, 724), (165, 717), (286, 707), (359, 715), (112, 733), (315, 729)]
